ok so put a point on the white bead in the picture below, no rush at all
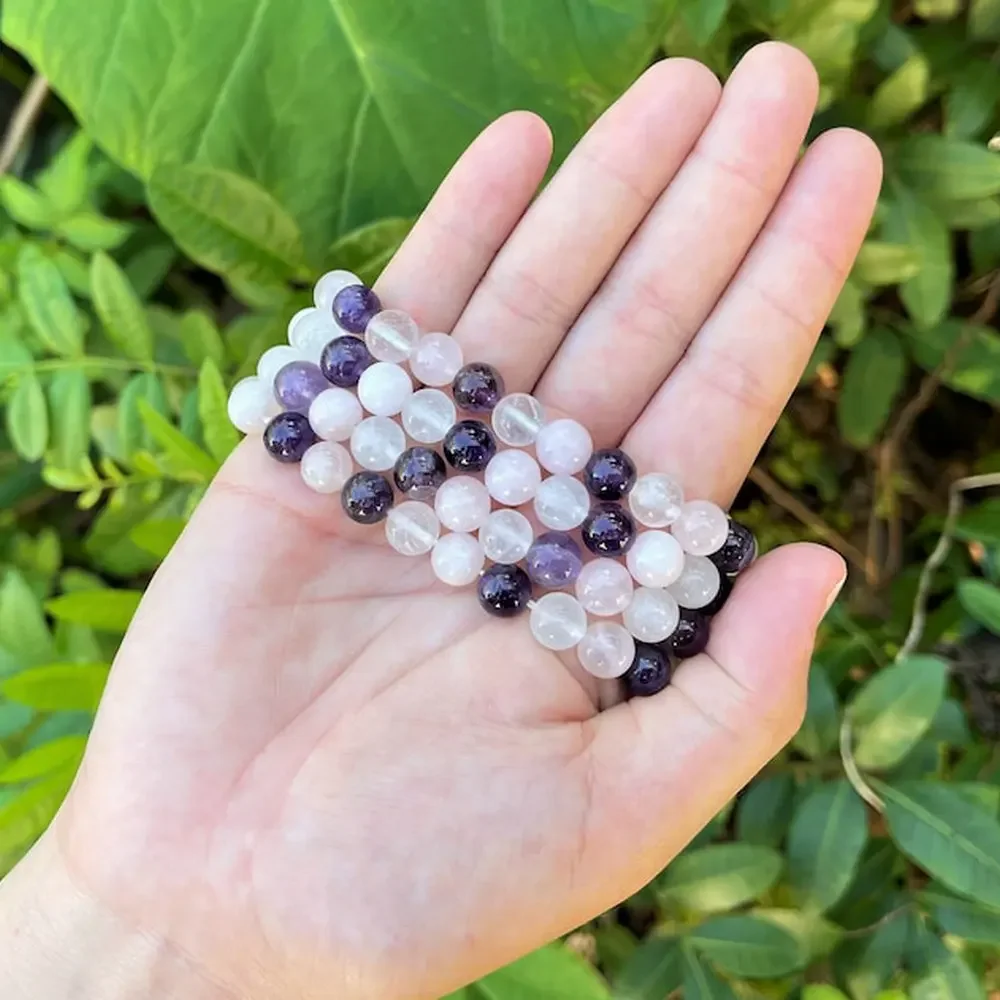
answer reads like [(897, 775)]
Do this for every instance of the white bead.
[(462, 504), (656, 559), (412, 528), (561, 503), (652, 616), (558, 621), (506, 536), (563, 447), (273, 360), (428, 415), (252, 405), (299, 318), (698, 584), (384, 389), (606, 650), (391, 335), (604, 587), (457, 559), (334, 414), (310, 331), (326, 289), (701, 528), (436, 359), (656, 500), (377, 442), (517, 419), (512, 477), (326, 466)]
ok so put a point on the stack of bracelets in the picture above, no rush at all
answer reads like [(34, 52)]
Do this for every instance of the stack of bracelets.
[(651, 589)]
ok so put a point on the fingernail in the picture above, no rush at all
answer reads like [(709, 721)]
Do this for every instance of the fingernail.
[(835, 592)]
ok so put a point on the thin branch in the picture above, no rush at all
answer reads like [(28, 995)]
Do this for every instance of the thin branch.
[(888, 918), (854, 775), (22, 121)]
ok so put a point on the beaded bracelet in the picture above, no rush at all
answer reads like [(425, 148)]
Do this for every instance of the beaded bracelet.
[(345, 358)]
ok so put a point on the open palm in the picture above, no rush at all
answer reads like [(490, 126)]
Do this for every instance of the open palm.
[(317, 772)]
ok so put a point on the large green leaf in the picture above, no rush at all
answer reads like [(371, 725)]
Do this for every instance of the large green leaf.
[(748, 947), (44, 760), (110, 610), (872, 380), (58, 687), (818, 733), (47, 303), (121, 312), (981, 599), (69, 396), (948, 168), (974, 352), (963, 919), (552, 973), (765, 810), (28, 417), (897, 97), (946, 975), (23, 631), (654, 970), (718, 877), (701, 982)]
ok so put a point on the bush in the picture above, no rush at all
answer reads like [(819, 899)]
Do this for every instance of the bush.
[(261, 143)]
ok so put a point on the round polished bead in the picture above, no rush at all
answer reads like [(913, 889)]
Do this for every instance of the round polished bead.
[(298, 384), (273, 360), (506, 536), (377, 442), (649, 672), (504, 590), (428, 415), (558, 621), (367, 497), (604, 587), (310, 330), (656, 500), (477, 388), (738, 550), (384, 388), (517, 419), (561, 503), (606, 650), (299, 318), (457, 559), (691, 635), (512, 477), (717, 603), (391, 335), (563, 447), (698, 583), (656, 559), (252, 405), (326, 466), (609, 474), (462, 504), (344, 360), (330, 285), (469, 446), (412, 528), (554, 560), (608, 530), (288, 436), (354, 306), (334, 414), (436, 359), (652, 615), (701, 528), (419, 472)]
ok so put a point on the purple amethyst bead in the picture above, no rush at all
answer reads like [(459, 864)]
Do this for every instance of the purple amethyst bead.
[(367, 497), (608, 530), (504, 591), (288, 437), (477, 388), (298, 384), (354, 307), (344, 361), (609, 474), (738, 550), (469, 446), (554, 560), (419, 472), (649, 673), (690, 637)]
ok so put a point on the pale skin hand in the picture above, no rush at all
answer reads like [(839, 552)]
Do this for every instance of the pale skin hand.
[(318, 773)]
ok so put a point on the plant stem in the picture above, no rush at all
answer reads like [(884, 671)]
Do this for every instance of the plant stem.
[(22, 121), (854, 775)]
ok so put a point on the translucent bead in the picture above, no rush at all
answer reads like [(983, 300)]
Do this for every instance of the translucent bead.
[(310, 331), (561, 503), (652, 615), (412, 528), (604, 587), (377, 442), (512, 477), (384, 389), (428, 415), (698, 583), (606, 650), (436, 359), (298, 384), (656, 559), (273, 360), (701, 528), (252, 405), (517, 419), (457, 559), (656, 500), (563, 447), (326, 466), (391, 335), (506, 536), (462, 504), (335, 413), (326, 289), (558, 621), (298, 318)]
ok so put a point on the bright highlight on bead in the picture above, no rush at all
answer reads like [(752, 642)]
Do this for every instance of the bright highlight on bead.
[(698, 583), (412, 528), (504, 591), (558, 621), (604, 587), (701, 528), (457, 559), (517, 419), (652, 615), (656, 500), (377, 442), (436, 360), (606, 650), (328, 287), (462, 504), (384, 389), (656, 559), (334, 414), (512, 477), (506, 536), (563, 447), (367, 497), (391, 336), (310, 331), (252, 405), (428, 415), (326, 466)]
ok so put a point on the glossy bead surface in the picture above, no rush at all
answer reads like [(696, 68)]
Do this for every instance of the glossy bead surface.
[(326, 466), (563, 447), (354, 306), (462, 504), (652, 615), (517, 419), (701, 528), (437, 359), (273, 360), (428, 415), (344, 360), (457, 559), (698, 583), (334, 414), (604, 587), (326, 289), (384, 388), (738, 550), (558, 621), (554, 560), (608, 530), (561, 503), (367, 497), (391, 335), (310, 330), (288, 436), (506, 536), (504, 590), (691, 635), (419, 472), (656, 500), (717, 603), (512, 477), (649, 672), (477, 387), (252, 405), (298, 384), (412, 528), (606, 650), (377, 442), (469, 445), (656, 559), (609, 474)]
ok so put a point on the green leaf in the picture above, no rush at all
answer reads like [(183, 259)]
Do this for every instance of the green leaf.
[(551, 973), (765, 810), (902, 93), (89, 231), (719, 877), (947, 976), (28, 417), (104, 609), (367, 250), (816, 935), (23, 631), (25, 817), (975, 214), (960, 918), (747, 947), (700, 982), (55, 756), (654, 970), (13, 354), (69, 398), (973, 352), (47, 303), (867, 964), (971, 100), (984, 19), (121, 312), (820, 991), (894, 708), (58, 687), (937, 10), (848, 317), (821, 725), (74, 269), (147, 268), (940, 167), (704, 17), (872, 380), (981, 600), (132, 433), (187, 460), (201, 338), (881, 263), (64, 180), (25, 204), (157, 536), (220, 435)]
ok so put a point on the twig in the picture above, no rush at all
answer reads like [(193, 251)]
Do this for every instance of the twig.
[(854, 775), (888, 918), (22, 121)]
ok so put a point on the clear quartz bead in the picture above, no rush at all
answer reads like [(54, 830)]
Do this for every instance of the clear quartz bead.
[(457, 559), (428, 415), (384, 388), (273, 360), (604, 587), (437, 359), (309, 331), (377, 442), (517, 419), (391, 335), (561, 503), (701, 528), (698, 583), (326, 466), (252, 404), (563, 447), (512, 477), (652, 615), (506, 536), (412, 528), (334, 414), (606, 650), (298, 319), (656, 559), (462, 504), (558, 621), (326, 289), (656, 500)]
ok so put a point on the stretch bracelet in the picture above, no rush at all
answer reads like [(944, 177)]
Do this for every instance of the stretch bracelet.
[(624, 569)]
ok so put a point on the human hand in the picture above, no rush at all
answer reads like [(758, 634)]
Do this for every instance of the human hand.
[(316, 771)]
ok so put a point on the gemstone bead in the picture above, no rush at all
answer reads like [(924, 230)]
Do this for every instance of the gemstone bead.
[(367, 497), (334, 414), (309, 331), (384, 388), (288, 436), (437, 359), (738, 550), (604, 587), (252, 405), (462, 504), (561, 503), (698, 583), (701, 528), (344, 360), (299, 318), (563, 447), (457, 559), (656, 559), (419, 472), (691, 635), (517, 419), (717, 603), (391, 335), (652, 615), (477, 387), (649, 672), (608, 530), (354, 307), (609, 474), (377, 442), (469, 446), (558, 621), (504, 590), (326, 466), (656, 500), (554, 560), (412, 528), (273, 360), (298, 384), (512, 477), (428, 415), (606, 650), (506, 536), (327, 288)]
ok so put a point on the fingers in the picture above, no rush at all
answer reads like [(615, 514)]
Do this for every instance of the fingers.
[(712, 415), (678, 264), (570, 237)]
